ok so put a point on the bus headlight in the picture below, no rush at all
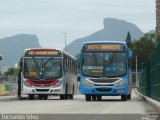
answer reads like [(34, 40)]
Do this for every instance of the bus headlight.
[(121, 82), (87, 82), (27, 84), (57, 84)]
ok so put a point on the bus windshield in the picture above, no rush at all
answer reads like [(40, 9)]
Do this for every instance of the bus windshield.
[(42, 68), (102, 64)]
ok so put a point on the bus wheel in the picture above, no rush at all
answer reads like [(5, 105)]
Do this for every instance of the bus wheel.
[(129, 96), (62, 96), (94, 97), (88, 97), (40, 97), (70, 96), (45, 97), (31, 97), (124, 97), (99, 97), (66, 96)]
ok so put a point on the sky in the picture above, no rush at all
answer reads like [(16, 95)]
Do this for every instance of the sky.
[(50, 19)]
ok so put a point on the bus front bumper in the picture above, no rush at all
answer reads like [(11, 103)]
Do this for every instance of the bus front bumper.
[(42, 90), (104, 90)]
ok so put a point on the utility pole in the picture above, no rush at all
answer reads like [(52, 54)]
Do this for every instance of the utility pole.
[(65, 38), (136, 72), (0, 66)]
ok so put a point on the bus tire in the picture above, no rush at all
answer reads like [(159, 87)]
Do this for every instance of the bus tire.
[(94, 97), (31, 97), (88, 97), (129, 96), (124, 97), (99, 97), (45, 97), (62, 96), (40, 97), (66, 96), (70, 96)]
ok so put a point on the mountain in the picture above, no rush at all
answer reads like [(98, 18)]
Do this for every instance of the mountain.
[(114, 29), (12, 48), (151, 32)]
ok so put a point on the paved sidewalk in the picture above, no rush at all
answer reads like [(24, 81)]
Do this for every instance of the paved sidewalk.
[(8, 98), (152, 102)]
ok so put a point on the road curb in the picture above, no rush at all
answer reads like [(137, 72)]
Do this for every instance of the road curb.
[(8, 98), (12, 98), (155, 104)]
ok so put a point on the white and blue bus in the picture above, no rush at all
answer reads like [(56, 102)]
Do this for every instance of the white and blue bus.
[(105, 70), (47, 72)]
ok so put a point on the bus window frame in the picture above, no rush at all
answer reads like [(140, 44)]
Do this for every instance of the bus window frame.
[(42, 58)]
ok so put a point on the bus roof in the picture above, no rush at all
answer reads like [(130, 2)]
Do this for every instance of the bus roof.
[(40, 49), (104, 42)]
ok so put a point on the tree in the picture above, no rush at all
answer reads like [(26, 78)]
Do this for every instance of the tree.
[(143, 48), (11, 71), (129, 40)]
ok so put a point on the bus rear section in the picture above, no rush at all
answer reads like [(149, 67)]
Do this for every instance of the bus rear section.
[(42, 74), (105, 70)]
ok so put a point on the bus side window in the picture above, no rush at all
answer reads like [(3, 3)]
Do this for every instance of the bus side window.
[(68, 65), (65, 64), (71, 66), (69, 69)]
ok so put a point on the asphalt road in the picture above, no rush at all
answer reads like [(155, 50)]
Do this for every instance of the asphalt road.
[(109, 105)]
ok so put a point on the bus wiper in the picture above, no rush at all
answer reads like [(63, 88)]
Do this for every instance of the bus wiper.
[(48, 61), (95, 59), (38, 77), (35, 62)]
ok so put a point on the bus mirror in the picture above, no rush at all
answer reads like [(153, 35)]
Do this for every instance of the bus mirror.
[(78, 78), (0, 57), (129, 54)]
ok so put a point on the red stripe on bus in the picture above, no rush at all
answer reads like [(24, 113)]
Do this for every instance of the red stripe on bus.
[(42, 82)]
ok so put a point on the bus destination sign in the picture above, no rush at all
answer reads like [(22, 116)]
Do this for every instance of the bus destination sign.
[(43, 53), (104, 47)]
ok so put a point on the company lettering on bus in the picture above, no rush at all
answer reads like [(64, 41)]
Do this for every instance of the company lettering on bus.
[(104, 47), (43, 53)]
